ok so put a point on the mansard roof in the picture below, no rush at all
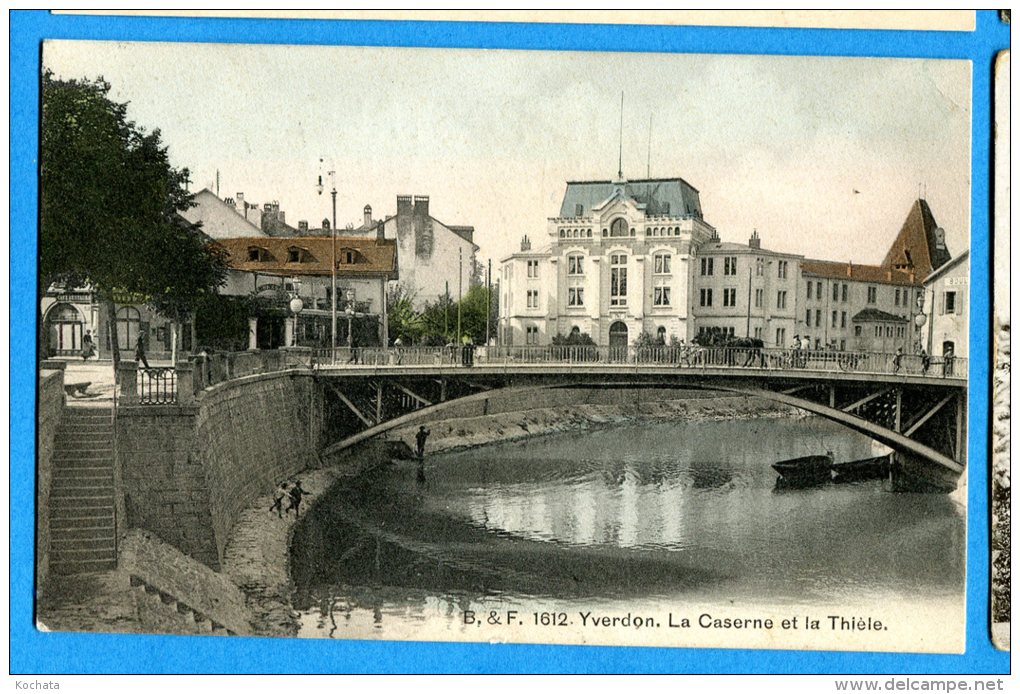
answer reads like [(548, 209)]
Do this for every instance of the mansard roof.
[(658, 196)]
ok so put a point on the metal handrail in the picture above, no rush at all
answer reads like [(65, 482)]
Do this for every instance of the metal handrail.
[(220, 367)]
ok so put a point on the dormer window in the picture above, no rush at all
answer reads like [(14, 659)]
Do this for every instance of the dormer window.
[(293, 255), (256, 254), (618, 228), (350, 256)]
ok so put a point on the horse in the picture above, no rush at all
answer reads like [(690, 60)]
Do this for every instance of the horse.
[(755, 349)]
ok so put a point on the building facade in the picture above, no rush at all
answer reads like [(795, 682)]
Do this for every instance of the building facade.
[(615, 264), (745, 291), (275, 270), (946, 307), (630, 257), (840, 303), (434, 259)]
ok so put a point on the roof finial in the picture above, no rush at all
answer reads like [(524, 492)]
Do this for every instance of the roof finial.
[(619, 173)]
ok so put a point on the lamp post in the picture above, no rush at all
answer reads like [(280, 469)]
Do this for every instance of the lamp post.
[(296, 305), (758, 262), (921, 318), (332, 271)]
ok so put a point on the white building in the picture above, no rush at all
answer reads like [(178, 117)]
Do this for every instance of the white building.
[(434, 259), (224, 219), (616, 263), (745, 291), (946, 307)]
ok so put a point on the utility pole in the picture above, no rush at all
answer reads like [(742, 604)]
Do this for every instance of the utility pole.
[(332, 289), (747, 333), (488, 302), (446, 312), (332, 271), (460, 287)]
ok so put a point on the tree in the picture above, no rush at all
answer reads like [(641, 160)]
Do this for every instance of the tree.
[(109, 206), (404, 322), (473, 314)]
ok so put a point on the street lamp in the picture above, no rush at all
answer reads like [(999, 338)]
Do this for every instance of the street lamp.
[(296, 305), (332, 272), (920, 319)]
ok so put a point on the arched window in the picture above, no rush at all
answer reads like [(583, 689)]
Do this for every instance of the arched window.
[(64, 329), (618, 227), (129, 326)]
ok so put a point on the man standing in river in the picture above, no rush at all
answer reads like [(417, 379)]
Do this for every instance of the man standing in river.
[(420, 438)]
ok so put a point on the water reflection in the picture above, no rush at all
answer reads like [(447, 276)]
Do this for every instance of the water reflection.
[(670, 512)]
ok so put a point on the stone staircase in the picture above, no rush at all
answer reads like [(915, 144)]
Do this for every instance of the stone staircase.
[(82, 522)]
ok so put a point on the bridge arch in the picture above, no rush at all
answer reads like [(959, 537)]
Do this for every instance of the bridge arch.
[(942, 469)]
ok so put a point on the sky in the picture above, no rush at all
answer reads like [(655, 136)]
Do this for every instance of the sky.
[(823, 156)]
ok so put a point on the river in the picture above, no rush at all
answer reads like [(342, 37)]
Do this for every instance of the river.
[(663, 520)]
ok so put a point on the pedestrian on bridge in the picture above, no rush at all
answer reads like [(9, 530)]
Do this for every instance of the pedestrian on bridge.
[(925, 361), (420, 438), (897, 360)]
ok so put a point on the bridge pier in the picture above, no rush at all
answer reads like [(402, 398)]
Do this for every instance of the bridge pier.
[(911, 473)]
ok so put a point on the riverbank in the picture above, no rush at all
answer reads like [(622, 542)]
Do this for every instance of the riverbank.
[(467, 432), (257, 557)]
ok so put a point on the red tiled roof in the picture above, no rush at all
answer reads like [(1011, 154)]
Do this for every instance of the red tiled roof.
[(860, 273), (373, 258)]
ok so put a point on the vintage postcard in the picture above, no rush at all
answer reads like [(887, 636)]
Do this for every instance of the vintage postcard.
[(636, 349)]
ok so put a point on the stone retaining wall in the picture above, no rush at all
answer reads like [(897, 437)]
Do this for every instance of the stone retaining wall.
[(253, 433), (189, 471), (176, 594), (51, 407)]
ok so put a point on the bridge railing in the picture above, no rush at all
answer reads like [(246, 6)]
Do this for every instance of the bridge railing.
[(212, 368), (681, 357)]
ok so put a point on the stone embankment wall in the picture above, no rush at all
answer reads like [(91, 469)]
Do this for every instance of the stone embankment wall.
[(189, 471), (51, 407)]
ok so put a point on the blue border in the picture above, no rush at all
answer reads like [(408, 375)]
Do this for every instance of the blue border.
[(35, 652)]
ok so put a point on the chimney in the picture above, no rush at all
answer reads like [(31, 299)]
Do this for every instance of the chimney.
[(380, 231), (421, 206), (850, 269), (230, 201), (240, 202), (525, 243), (368, 217), (403, 205), (755, 240), (302, 226)]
